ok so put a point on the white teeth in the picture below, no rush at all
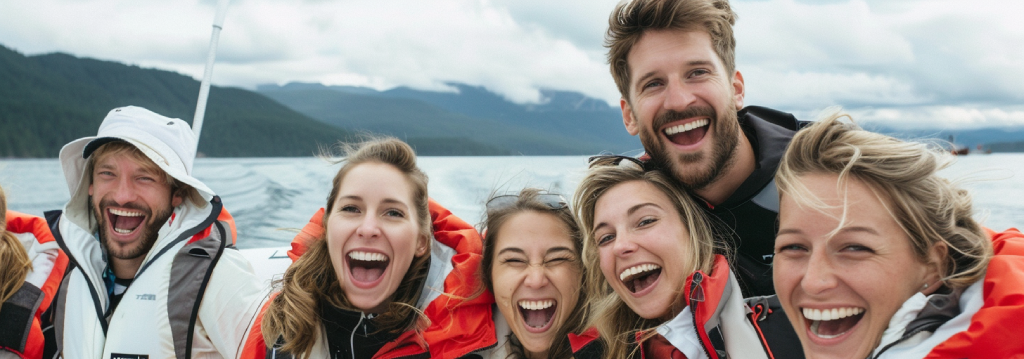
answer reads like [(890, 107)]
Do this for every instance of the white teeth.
[(831, 314), (536, 304), (124, 213), (687, 126), (367, 256), (637, 270), (122, 231)]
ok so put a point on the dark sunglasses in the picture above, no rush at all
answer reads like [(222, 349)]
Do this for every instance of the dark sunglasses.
[(552, 200), (615, 160)]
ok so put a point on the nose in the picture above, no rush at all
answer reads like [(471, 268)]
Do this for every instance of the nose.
[(536, 276), (678, 95), (624, 245), (369, 227), (820, 274), (124, 192)]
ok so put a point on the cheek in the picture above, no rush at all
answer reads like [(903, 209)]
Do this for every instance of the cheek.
[(607, 263)]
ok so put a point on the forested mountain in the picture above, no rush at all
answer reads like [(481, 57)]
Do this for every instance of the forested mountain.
[(49, 100), (564, 123)]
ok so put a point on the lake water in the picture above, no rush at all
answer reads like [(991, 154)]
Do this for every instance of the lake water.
[(271, 197)]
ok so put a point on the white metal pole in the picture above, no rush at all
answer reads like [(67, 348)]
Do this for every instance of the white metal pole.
[(204, 87)]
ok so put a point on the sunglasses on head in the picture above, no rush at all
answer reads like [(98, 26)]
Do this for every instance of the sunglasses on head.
[(616, 160), (552, 200)]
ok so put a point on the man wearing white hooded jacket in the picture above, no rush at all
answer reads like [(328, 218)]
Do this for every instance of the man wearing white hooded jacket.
[(152, 273)]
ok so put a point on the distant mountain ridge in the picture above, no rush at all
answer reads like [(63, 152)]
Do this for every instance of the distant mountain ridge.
[(564, 123), (49, 100)]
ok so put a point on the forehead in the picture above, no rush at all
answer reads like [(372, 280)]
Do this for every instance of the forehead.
[(376, 180), (616, 201), (670, 49), (533, 230), (825, 207), (126, 156)]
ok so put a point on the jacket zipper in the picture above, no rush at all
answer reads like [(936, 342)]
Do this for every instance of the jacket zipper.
[(695, 285), (352, 339), (900, 340)]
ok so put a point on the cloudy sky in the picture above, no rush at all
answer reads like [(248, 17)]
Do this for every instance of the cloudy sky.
[(905, 62)]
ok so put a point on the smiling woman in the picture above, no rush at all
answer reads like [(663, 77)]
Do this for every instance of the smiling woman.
[(353, 294), (878, 256), (532, 263), (658, 288)]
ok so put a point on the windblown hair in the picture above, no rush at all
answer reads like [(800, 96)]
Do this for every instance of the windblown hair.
[(13, 258), (631, 19), (615, 321), (494, 223), (112, 148), (903, 175), (311, 283)]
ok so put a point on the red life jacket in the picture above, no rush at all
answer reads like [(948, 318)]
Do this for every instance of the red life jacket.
[(30, 344)]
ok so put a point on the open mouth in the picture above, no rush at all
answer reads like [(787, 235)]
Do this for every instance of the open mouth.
[(688, 133), (640, 277), (124, 221), (367, 267), (832, 323), (537, 314)]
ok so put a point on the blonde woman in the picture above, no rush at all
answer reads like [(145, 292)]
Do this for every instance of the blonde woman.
[(366, 282), (658, 287), (879, 257), (31, 266)]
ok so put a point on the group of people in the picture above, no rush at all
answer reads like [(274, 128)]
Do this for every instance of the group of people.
[(741, 233)]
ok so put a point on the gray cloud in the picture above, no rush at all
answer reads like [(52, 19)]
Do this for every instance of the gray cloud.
[(953, 62)]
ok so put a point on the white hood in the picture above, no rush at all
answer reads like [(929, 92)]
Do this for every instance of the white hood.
[(168, 142)]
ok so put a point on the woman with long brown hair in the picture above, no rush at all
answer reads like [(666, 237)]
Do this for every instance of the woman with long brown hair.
[(362, 282), (533, 264)]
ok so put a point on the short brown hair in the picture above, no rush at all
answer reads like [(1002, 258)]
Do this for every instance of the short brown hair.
[(631, 19), (178, 189)]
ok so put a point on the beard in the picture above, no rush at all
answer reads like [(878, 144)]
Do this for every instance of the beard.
[(694, 171), (147, 236)]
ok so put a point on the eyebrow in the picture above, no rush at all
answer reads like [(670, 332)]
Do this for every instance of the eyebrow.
[(559, 249), (386, 200), (690, 63), (629, 212), (512, 249), (863, 229)]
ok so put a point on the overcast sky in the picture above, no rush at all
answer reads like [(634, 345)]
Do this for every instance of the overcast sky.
[(906, 62)]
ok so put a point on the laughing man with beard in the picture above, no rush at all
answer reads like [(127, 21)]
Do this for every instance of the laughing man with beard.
[(152, 272), (674, 64)]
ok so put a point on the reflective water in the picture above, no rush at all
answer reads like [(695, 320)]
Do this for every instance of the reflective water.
[(269, 197)]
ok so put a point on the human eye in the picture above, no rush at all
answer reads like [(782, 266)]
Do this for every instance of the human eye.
[(513, 261), (558, 260), (394, 213), (651, 84), (147, 179), (604, 239), (350, 208), (646, 221), (857, 248), (790, 248), (699, 72)]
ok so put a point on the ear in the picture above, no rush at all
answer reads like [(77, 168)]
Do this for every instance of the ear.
[(176, 200), (627, 117), (935, 268), (738, 87), (423, 247), (90, 190)]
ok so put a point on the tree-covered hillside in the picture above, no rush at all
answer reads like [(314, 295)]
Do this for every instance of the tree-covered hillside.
[(49, 100)]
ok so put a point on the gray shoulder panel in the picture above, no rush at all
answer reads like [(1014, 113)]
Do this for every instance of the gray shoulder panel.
[(768, 198)]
